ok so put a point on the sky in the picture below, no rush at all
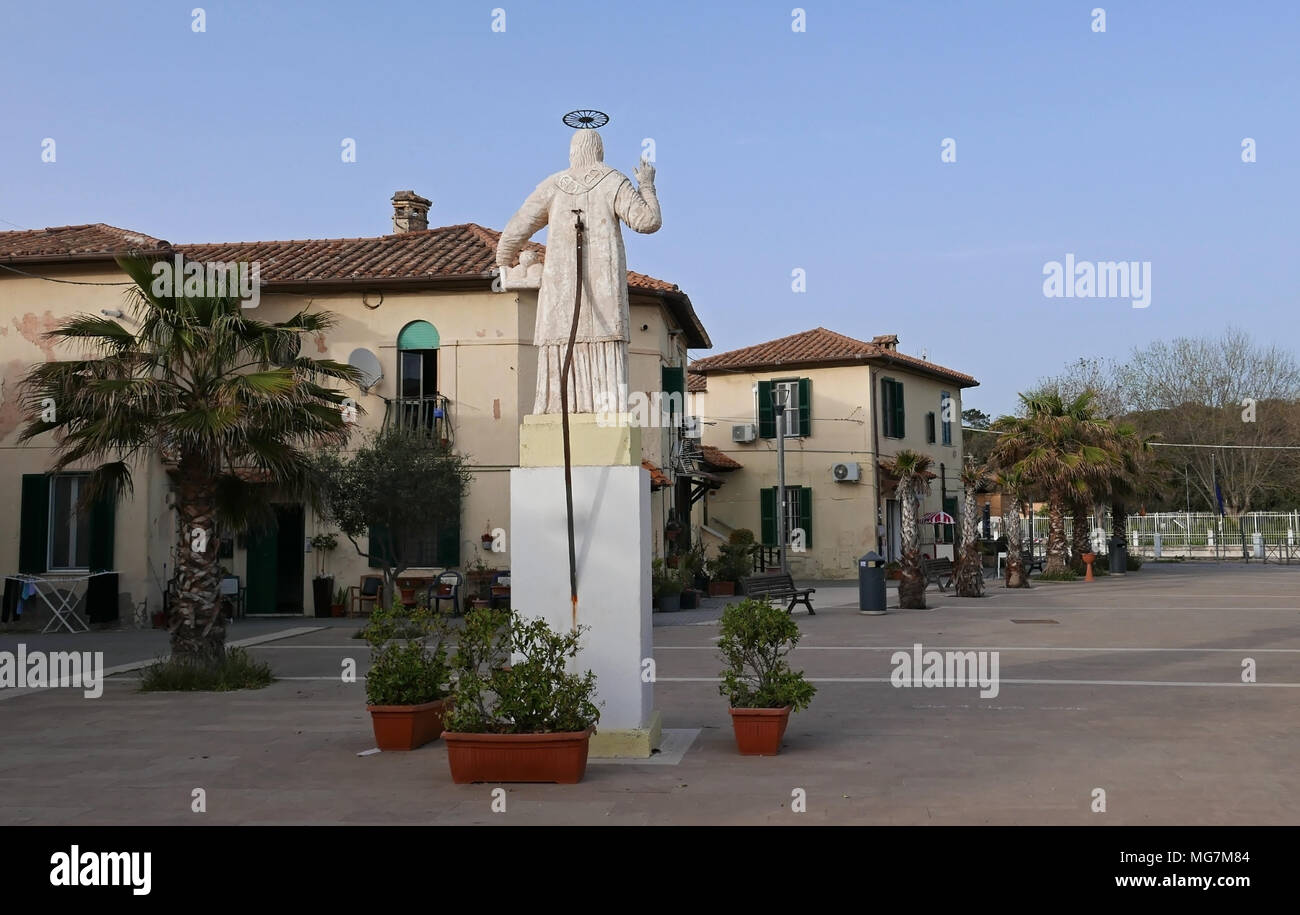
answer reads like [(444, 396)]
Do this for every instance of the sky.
[(777, 150)]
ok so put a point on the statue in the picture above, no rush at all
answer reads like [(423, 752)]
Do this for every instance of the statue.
[(598, 375)]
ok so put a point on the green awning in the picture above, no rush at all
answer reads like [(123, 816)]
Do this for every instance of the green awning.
[(418, 335)]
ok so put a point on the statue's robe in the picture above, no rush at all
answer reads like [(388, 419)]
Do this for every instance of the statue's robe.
[(598, 379)]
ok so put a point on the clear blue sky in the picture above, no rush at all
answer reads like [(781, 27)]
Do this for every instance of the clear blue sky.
[(775, 150)]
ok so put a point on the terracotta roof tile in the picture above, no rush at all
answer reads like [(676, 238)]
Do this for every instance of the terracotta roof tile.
[(820, 347), (68, 241), (718, 460), (696, 383), (465, 251), (658, 479)]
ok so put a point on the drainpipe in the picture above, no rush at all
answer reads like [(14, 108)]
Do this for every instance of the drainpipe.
[(875, 458)]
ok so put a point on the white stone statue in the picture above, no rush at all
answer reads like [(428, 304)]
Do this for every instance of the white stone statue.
[(598, 379)]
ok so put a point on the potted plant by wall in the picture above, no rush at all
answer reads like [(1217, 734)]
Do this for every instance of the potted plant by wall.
[(340, 605), (487, 537), (518, 713), (755, 638), (408, 680), (667, 586), (733, 563), (322, 585)]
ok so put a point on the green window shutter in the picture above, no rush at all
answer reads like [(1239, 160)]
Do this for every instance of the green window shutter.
[(449, 542), (805, 406), (377, 546), (805, 514), (767, 515), (900, 419), (766, 415), (418, 335), (103, 522), (34, 536), (673, 381)]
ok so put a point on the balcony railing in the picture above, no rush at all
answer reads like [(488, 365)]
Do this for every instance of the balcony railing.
[(431, 415)]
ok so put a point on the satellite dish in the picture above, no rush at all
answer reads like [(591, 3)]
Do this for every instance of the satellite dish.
[(367, 363)]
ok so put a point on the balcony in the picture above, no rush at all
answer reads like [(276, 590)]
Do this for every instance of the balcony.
[(431, 415)]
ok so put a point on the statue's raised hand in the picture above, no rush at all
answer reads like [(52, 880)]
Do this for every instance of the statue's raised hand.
[(645, 172)]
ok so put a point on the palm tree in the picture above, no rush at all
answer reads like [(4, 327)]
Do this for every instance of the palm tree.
[(1136, 476), (1061, 447), (1012, 486), (970, 564), (913, 472), (226, 396)]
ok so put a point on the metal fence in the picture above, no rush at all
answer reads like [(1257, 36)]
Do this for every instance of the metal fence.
[(1257, 536)]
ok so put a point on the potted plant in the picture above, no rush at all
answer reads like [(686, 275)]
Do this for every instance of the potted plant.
[(487, 537), (732, 564), (322, 585), (408, 680), (523, 720), (478, 578), (667, 586), (340, 605), (755, 638)]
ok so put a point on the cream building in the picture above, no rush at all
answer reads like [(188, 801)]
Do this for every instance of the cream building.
[(456, 358), (852, 405)]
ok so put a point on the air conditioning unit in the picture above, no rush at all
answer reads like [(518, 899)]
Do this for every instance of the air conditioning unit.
[(745, 432), (846, 473)]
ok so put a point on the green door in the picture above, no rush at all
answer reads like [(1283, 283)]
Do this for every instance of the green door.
[(276, 564), (260, 596)]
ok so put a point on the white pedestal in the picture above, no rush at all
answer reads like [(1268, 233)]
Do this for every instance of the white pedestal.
[(611, 515)]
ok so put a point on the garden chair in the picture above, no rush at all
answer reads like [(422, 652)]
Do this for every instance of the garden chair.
[(366, 592)]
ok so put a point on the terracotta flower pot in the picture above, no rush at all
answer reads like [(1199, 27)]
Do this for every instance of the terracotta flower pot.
[(405, 727), (337, 609), (559, 757), (722, 588), (759, 730)]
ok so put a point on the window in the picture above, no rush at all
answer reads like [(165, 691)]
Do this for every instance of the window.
[(798, 410), (57, 531), (929, 428), (891, 408), (417, 376), (798, 514), (69, 526), (946, 407)]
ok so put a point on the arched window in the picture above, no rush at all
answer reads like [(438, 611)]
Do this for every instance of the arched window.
[(417, 376)]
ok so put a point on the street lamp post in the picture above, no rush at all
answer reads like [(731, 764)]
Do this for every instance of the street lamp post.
[(780, 398)]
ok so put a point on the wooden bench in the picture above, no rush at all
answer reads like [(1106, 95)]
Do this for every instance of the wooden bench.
[(939, 571), (778, 586)]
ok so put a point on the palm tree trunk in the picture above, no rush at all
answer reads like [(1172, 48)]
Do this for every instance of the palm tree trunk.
[(1015, 573), (970, 566), (1119, 521), (198, 629), (1056, 548), (1079, 530), (911, 587)]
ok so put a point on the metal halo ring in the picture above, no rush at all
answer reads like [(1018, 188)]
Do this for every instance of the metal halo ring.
[(586, 119)]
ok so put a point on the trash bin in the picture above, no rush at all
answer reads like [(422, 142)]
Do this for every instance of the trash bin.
[(1117, 564), (871, 584)]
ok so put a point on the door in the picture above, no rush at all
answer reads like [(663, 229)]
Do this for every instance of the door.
[(275, 564)]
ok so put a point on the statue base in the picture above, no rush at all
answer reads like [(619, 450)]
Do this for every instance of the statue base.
[(595, 440), (611, 522)]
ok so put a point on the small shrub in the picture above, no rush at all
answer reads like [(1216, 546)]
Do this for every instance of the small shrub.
[(404, 668), (665, 581), (237, 670), (534, 694), (1135, 562), (1064, 575), (755, 638)]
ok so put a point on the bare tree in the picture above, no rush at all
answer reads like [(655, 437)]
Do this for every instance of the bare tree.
[(1220, 391)]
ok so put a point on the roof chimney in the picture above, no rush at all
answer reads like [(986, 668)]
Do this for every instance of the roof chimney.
[(886, 342), (410, 212)]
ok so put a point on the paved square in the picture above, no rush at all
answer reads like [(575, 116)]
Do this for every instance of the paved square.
[(1135, 688)]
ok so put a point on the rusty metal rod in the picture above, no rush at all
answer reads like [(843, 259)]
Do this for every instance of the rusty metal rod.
[(564, 420)]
